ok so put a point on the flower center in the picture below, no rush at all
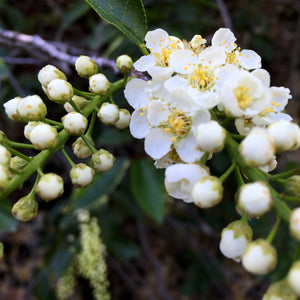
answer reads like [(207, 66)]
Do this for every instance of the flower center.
[(242, 96), (201, 78)]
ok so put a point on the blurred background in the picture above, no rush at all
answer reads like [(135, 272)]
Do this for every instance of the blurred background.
[(166, 250)]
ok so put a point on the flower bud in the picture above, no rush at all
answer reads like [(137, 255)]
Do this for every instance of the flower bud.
[(180, 179), (74, 123), (5, 156), (124, 119), (124, 64), (284, 134), (254, 198), (295, 223), (108, 113), (50, 186), (102, 160), (80, 148), (197, 41), (31, 108), (4, 177), (235, 239), (60, 91), (292, 185), (293, 277), (11, 108), (207, 192), (3, 137), (99, 84), (82, 175), (43, 136), (49, 73), (80, 102), (253, 155), (85, 66), (260, 257), (17, 164), (28, 128), (210, 137), (25, 209), (279, 290)]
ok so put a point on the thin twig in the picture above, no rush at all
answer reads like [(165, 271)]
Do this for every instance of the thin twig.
[(225, 14)]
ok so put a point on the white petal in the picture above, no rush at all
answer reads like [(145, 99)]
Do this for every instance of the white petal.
[(223, 37), (139, 126), (136, 93), (156, 39), (250, 60), (157, 143), (182, 61), (160, 73), (144, 63), (158, 112), (280, 95), (212, 56), (263, 75)]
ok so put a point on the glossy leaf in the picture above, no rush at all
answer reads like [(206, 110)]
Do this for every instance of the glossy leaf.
[(128, 16), (146, 186)]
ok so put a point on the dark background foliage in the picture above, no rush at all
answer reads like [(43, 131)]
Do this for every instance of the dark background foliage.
[(164, 249)]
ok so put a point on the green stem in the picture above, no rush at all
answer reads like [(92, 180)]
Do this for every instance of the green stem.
[(52, 122), (67, 157), (285, 174), (19, 145), (86, 95), (204, 158), (92, 123), (291, 198), (244, 218), (17, 153), (227, 172), (85, 139), (273, 231), (40, 172), (125, 78), (254, 174), (225, 121), (237, 136), (143, 49), (238, 176), (32, 192), (297, 252), (111, 100), (72, 103)]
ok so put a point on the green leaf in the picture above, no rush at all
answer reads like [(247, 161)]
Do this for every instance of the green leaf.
[(128, 16), (146, 186), (7, 222)]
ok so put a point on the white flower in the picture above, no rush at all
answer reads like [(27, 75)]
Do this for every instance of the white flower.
[(75, 123), (60, 91), (42, 136), (254, 198), (124, 119), (102, 160), (49, 73), (85, 66), (258, 148), (5, 156), (207, 192), (99, 84), (285, 135), (81, 175), (210, 136), (260, 257), (31, 108), (235, 239), (294, 277), (50, 186), (11, 108), (180, 179), (243, 95), (295, 223), (108, 113)]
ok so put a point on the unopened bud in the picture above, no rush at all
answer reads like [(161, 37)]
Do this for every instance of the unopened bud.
[(124, 64), (124, 119), (85, 66), (292, 186), (295, 223), (4, 177), (235, 239), (260, 257), (5, 156), (82, 175), (80, 102), (25, 209), (49, 73), (60, 91), (293, 277), (99, 84), (50, 186), (279, 290), (197, 41), (81, 149), (108, 113), (31, 108), (74, 123), (207, 192), (102, 160), (11, 108), (3, 137), (17, 164)]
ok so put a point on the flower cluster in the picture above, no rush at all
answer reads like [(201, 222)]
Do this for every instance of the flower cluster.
[(196, 90)]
